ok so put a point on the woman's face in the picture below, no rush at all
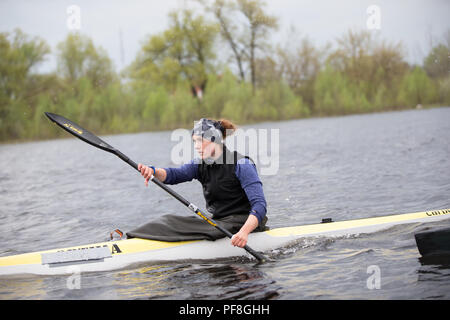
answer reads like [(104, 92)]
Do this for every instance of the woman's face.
[(204, 147)]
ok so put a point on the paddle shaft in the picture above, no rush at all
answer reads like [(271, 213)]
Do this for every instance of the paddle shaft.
[(188, 204), (95, 141)]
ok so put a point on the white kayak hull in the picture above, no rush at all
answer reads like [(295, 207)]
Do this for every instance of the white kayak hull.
[(114, 255)]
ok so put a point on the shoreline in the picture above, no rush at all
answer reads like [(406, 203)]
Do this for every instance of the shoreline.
[(314, 116)]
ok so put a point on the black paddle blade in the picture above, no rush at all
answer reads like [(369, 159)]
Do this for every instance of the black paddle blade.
[(433, 242), (79, 132)]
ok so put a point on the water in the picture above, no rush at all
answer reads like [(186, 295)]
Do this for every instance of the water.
[(61, 193)]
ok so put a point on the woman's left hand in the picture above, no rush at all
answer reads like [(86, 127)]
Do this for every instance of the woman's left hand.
[(239, 239)]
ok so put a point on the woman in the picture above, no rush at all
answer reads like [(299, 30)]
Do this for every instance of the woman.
[(231, 187)]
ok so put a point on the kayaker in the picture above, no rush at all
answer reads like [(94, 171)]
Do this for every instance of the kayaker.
[(232, 189)]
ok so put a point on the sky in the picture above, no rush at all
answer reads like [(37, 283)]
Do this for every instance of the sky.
[(120, 27)]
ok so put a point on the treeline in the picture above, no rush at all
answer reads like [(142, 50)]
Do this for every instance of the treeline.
[(219, 64)]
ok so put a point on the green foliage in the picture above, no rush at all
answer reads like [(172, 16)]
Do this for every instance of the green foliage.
[(332, 93), (444, 91), (156, 101), (78, 58), (227, 97), (19, 54), (417, 88), (278, 102), (437, 63), (157, 91), (184, 51)]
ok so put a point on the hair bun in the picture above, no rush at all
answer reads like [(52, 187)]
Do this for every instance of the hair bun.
[(228, 127)]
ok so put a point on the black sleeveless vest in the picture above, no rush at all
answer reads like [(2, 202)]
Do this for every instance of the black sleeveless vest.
[(221, 188)]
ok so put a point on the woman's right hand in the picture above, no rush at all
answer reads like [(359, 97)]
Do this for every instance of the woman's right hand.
[(146, 172)]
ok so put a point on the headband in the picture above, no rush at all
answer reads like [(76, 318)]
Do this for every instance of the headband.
[(208, 129)]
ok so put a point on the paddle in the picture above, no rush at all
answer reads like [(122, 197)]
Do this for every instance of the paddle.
[(92, 139)]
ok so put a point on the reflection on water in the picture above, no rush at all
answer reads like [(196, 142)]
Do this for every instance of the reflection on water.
[(146, 283), (26, 289), (440, 261), (433, 275), (188, 281)]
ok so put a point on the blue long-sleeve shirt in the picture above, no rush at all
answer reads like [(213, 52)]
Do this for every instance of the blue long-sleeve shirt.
[(245, 172)]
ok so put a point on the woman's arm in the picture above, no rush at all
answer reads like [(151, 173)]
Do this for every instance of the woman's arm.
[(248, 176), (240, 238), (186, 172)]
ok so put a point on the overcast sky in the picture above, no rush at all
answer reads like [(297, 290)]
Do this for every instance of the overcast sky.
[(409, 21)]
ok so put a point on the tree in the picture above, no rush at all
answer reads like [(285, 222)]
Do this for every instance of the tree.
[(417, 88), (268, 72), (299, 63), (19, 86), (19, 54), (182, 52), (370, 64), (199, 36), (79, 58), (223, 11), (245, 26), (437, 63), (353, 55), (259, 25)]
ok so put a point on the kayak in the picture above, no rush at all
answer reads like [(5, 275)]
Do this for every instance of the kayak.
[(120, 254)]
